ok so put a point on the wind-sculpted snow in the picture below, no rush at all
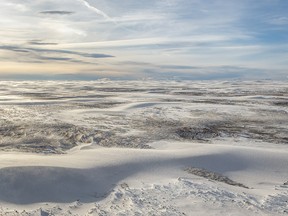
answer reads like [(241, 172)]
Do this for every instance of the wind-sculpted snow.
[(143, 148), (40, 116), (163, 200)]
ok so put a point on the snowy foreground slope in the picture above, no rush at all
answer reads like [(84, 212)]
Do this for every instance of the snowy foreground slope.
[(143, 148)]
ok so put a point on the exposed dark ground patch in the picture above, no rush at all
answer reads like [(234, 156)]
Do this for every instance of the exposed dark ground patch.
[(57, 138), (121, 90), (101, 105), (213, 176), (48, 138), (49, 96), (197, 133), (280, 103), (246, 128)]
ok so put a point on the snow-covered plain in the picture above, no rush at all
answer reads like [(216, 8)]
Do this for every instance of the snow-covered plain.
[(143, 148)]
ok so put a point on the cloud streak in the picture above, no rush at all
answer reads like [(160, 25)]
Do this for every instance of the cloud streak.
[(46, 56), (41, 50), (279, 20), (40, 43), (56, 12), (96, 10)]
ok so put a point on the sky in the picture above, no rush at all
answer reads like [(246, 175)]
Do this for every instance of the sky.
[(151, 39)]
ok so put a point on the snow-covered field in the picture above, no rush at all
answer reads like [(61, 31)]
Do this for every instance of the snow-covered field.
[(143, 148)]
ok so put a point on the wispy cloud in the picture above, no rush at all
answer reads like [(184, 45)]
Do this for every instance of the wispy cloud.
[(29, 49), (96, 10), (42, 55), (175, 36), (283, 20), (40, 43), (55, 12)]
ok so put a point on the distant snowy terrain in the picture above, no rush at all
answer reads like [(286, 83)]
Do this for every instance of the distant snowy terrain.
[(143, 148)]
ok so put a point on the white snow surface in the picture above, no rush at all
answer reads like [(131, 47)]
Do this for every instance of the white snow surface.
[(121, 148)]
